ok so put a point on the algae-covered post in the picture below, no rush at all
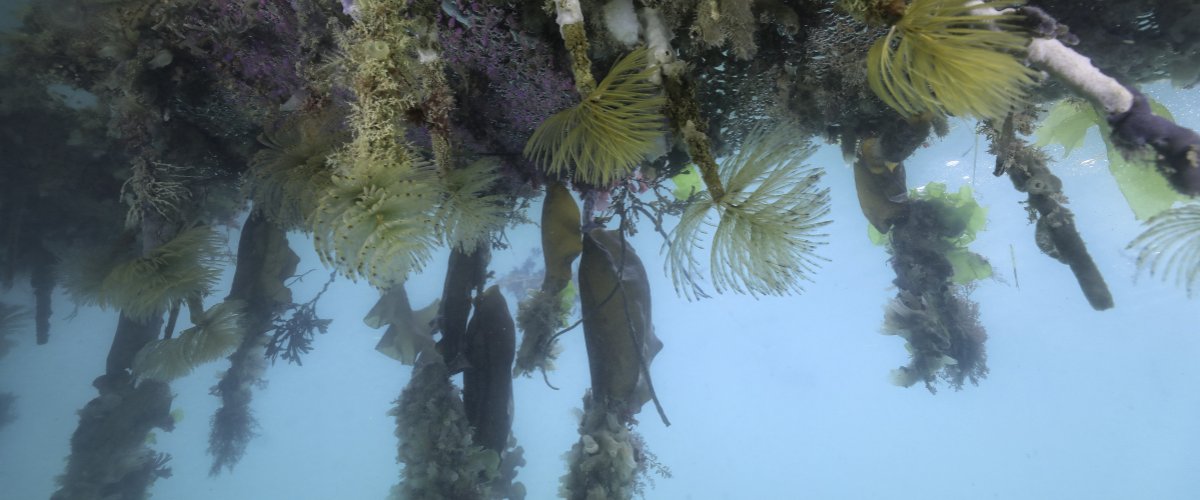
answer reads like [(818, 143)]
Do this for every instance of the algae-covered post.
[(264, 263), (926, 233), (545, 311), (1056, 234), (607, 461)]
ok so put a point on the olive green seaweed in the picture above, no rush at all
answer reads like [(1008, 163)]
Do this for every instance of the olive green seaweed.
[(409, 333), (881, 186)]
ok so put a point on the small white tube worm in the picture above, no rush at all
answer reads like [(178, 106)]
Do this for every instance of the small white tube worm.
[(427, 56), (658, 43), (658, 39), (569, 12)]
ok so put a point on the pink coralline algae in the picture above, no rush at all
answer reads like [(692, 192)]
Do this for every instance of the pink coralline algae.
[(524, 85), (253, 42)]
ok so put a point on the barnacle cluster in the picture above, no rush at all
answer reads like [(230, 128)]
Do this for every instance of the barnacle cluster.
[(441, 459)]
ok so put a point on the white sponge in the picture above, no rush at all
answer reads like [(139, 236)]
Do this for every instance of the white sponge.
[(622, 21)]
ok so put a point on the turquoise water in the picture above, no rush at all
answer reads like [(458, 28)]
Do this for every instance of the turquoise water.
[(769, 398)]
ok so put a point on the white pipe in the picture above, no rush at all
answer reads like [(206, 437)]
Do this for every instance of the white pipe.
[(1077, 72)]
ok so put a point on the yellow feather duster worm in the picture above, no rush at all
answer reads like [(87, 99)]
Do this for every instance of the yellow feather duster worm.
[(143, 287), (1171, 245), (217, 333), (377, 221), (289, 174), (944, 56), (12, 318), (608, 133), (769, 218), (471, 208)]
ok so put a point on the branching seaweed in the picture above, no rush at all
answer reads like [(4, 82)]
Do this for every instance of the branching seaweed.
[(293, 335)]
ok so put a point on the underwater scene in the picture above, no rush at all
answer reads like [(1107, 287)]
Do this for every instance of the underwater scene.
[(599, 249)]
